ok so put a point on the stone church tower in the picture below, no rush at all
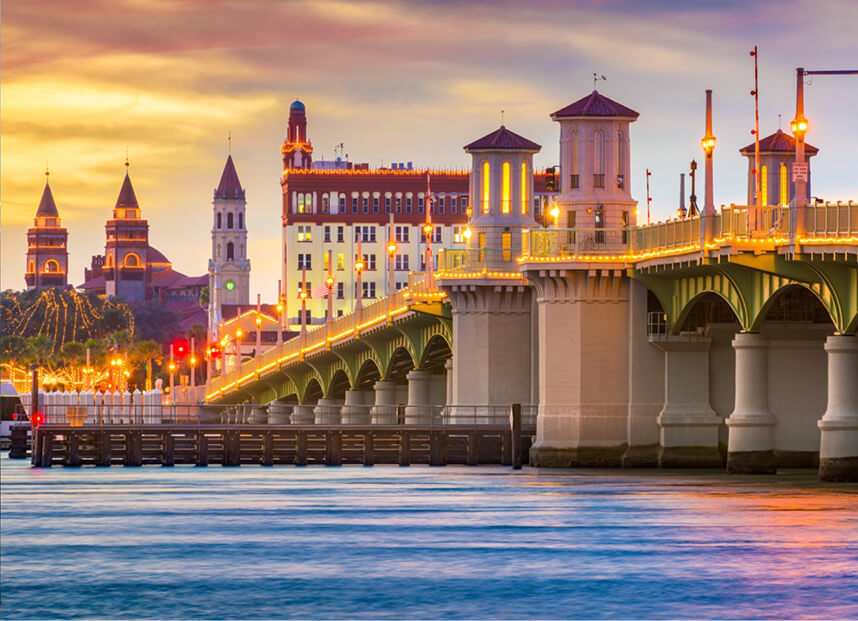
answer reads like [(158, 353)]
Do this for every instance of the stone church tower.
[(126, 252), (47, 255), (229, 267)]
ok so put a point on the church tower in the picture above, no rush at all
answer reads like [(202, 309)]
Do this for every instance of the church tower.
[(47, 255), (595, 152), (297, 150), (229, 267), (777, 155), (126, 252)]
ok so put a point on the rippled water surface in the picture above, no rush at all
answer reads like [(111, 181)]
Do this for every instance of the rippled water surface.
[(422, 542)]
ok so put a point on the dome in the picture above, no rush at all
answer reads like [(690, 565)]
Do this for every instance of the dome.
[(296, 106)]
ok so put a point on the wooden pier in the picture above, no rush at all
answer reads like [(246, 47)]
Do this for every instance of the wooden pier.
[(268, 445)]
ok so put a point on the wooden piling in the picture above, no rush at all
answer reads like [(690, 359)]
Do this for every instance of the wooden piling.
[(202, 449), (267, 449), (231, 448), (18, 442), (368, 449), (47, 450), (169, 444), (472, 448), (437, 448), (103, 449), (133, 448), (515, 432), (404, 448), (72, 455), (333, 448), (301, 449)]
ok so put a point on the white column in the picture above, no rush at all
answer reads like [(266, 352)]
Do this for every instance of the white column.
[(384, 410), (327, 411), (355, 408), (303, 414), (688, 426), (838, 450), (419, 411), (87, 400), (750, 445), (279, 413), (137, 406)]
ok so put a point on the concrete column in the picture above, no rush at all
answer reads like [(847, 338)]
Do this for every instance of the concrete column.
[(838, 450), (279, 413), (327, 411), (750, 444), (384, 410), (355, 408), (303, 414), (418, 411), (448, 370), (688, 426)]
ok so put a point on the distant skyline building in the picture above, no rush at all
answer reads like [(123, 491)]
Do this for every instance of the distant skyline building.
[(47, 241)]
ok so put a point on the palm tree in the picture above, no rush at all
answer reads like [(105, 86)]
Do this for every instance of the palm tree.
[(72, 354), (148, 351), (40, 348), (13, 350)]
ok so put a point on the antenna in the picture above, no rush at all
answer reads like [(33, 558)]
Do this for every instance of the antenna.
[(229, 142), (127, 163), (501, 117), (596, 78), (47, 170)]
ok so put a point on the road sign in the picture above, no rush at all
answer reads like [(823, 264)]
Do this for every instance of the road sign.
[(799, 172)]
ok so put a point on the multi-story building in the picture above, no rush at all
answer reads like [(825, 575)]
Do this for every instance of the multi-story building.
[(47, 254), (333, 215)]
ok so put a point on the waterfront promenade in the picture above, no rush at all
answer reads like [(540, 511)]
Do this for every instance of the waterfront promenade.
[(419, 542)]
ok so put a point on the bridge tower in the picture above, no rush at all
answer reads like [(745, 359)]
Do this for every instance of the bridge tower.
[(777, 155), (229, 267), (47, 256), (493, 331), (595, 156)]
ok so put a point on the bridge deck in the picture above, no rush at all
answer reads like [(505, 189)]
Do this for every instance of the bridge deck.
[(266, 445)]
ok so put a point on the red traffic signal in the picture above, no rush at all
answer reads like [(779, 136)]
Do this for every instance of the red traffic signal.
[(37, 419), (180, 349), (214, 350)]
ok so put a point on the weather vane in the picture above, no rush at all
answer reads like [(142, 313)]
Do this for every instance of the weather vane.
[(596, 78)]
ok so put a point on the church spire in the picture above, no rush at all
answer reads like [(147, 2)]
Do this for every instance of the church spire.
[(47, 206), (127, 199), (229, 186)]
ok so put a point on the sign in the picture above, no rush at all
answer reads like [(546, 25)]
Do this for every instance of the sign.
[(799, 172)]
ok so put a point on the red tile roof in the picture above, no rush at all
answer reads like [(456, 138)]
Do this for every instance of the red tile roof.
[(47, 206), (190, 281), (595, 104), (503, 139), (229, 186), (127, 198), (166, 278), (96, 283), (779, 142), (156, 256)]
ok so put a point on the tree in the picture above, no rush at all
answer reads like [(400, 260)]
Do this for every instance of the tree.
[(13, 348), (147, 351), (40, 348), (155, 322), (205, 297), (113, 320)]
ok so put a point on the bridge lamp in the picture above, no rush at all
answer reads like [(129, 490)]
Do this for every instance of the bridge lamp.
[(799, 125), (329, 281), (555, 213), (427, 229), (280, 308), (172, 367), (239, 333), (391, 248), (467, 234), (258, 321), (359, 266), (708, 144)]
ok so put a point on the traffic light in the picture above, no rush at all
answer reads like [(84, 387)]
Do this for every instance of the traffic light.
[(180, 349), (551, 179), (214, 350), (37, 419)]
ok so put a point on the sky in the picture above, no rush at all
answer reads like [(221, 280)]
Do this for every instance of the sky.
[(167, 80)]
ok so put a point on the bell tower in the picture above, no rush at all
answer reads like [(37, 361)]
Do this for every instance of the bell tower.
[(229, 267), (126, 251), (47, 254), (297, 150)]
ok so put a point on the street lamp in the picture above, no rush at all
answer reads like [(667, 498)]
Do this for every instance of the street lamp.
[(555, 213), (708, 144)]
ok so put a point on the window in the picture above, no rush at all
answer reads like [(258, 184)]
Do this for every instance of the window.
[(132, 260), (784, 185), (240, 220), (365, 234), (305, 261), (764, 185), (485, 182), (305, 233), (576, 158), (342, 204), (407, 204), (442, 204), (574, 183), (340, 313), (326, 263), (326, 203), (400, 285), (386, 204), (301, 207), (340, 261), (598, 160), (458, 237), (374, 204), (481, 243), (421, 204), (219, 221), (621, 177), (598, 180), (354, 204), (341, 291), (537, 207), (524, 205), (506, 246), (454, 205), (570, 219), (368, 289), (365, 204), (505, 187), (307, 316), (52, 267), (229, 221), (600, 224), (436, 238), (398, 204), (401, 262), (230, 251), (400, 233), (327, 234), (339, 234), (369, 262), (464, 204)]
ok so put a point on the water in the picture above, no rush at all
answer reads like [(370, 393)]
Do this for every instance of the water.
[(423, 542)]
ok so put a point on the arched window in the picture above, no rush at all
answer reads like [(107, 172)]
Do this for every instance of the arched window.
[(109, 261), (486, 177), (230, 251), (240, 220), (764, 185), (229, 221), (505, 189), (784, 185), (575, 182), (621, 176), (599, 160), (51, 266), (31, 267), (219, 220), (132, 260), (217, 252), (524, 205)]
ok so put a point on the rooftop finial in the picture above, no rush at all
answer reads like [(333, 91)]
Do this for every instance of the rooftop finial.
[(229, 142), (596, 78), (47, 170), (127, 163), (779, 121), (501, 117)]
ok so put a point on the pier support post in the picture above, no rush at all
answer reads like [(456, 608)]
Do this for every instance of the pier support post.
[(368, 449), (515, 429), (838, 450), (105, 448), (47, 450), (72, 457), (384, 410), (688, 426), (133, 448), (404, 448), (301, 449), (438, 447), (202, 449), (473, 447), (419, 412), (750, 445), (169, 443), (333, 448), (267, 449)]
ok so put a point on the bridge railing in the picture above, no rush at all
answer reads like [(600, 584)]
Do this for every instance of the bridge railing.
[(669, 235), (740, 221), (832, 220)]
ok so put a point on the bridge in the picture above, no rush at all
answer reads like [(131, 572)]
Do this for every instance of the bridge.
[(679, 327)]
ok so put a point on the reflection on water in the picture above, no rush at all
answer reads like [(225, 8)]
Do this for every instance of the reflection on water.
[(450, 542)]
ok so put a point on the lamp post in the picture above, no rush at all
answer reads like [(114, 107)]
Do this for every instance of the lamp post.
[(758, 198), (708, 144), (258, 326), (391, 283), (238, 334), (648, 197), (329, 282), (358, 282), (799, 173), (172, 368), (279, 313), (193, 362)]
